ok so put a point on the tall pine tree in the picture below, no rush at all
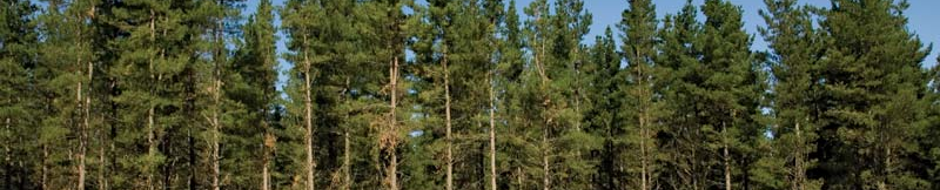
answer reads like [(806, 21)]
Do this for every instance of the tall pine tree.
[(872, 79)]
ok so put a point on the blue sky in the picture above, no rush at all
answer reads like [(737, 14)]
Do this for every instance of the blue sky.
[(607, 13)]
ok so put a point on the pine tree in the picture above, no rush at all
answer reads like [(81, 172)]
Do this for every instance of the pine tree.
[(794, 63), (931, 122), (256, 63), (731, 87), (66, 28), (606, 78), (219, 109), (518, 145), (156, 72), (554, 39), (303, 43), (18, 38), (679, 55), (872, 79), (457, 52), (642, 108)]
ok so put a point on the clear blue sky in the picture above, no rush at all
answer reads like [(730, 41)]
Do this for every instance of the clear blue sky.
[(607, 13)]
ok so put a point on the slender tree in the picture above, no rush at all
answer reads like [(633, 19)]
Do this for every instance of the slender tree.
[(794, 65), (256, 65), (639, 26)]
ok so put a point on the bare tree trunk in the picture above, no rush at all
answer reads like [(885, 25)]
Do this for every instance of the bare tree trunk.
[(81, 137), (727, 156), (216, 101), (265, 176), (547, 175), (800, 170), (150, 111), (7, 160), (308, 119), (216, 129), (83, 105), (492, 134), (450, 141), (347, 176), (392, 173), (644, 175), (45, 170)]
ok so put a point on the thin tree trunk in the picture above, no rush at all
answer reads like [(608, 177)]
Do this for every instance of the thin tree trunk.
[(308, 119), (81, 139), (216, 101), (643, 150), (347, 176), (492, 135), (7, 160), (45, 170), (727, 158), (268, 147), (150, 111), (216, 129), (547, 175), (81, 127), (265, 176), (393, 165), (87, 124), (450, 141), (800, 171)]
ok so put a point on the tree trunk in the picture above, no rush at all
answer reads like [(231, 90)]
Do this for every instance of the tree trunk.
[(81, 138), (217, 103), (392, 173), (308, 119), (45, 170), (449, 158), (7, 160), (727, 158), (84, 112), (265, 162), (644, 175), (150, 111), (547, 175), (800, 177), (216, 129), (492, 135), (87, 110), (347, 176)]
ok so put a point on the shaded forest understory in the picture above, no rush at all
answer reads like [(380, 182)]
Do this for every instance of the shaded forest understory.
[(463, 94)]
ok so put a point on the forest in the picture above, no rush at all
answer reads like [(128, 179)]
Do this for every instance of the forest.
[(463, 94)]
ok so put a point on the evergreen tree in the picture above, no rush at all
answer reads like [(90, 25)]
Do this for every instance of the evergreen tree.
[(156, 70), (518, 145), (794, 64), (217, 104), (18, 38), (872, 80), (607, 78), (554, 40), (67, 60), (932, 124), (642, 109), (253, 85), (731, 88), (680, 53)]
